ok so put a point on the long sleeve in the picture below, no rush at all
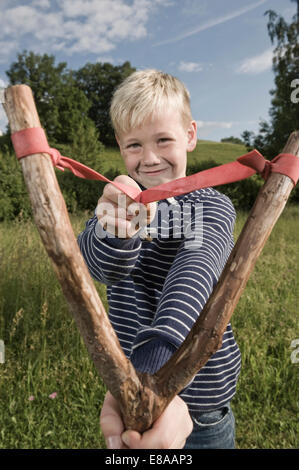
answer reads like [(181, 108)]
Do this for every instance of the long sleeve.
[(188, 284), (108, 259), (157, 289)]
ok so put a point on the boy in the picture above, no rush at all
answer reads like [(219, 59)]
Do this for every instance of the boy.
[(161, 270)]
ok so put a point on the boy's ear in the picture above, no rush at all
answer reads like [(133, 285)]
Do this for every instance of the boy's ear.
[(192, 136)]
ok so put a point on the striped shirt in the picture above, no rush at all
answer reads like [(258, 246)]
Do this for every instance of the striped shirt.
[(156, 288)]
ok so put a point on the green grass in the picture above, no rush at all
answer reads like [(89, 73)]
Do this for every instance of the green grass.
[(218, 151), (111, 158), (44, 352), (205, 150), (265, 323)]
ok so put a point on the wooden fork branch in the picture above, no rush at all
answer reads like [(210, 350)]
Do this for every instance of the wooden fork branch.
[(206, 335), (52, 221), (142, 397)]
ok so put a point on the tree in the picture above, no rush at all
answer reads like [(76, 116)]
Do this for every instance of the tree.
[(297, 1), (98, 82), (248, 137), (232, 140), (284, 111), (62, 106), (63, 111)]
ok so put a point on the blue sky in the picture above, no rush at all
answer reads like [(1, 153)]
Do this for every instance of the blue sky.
[(220, 49)]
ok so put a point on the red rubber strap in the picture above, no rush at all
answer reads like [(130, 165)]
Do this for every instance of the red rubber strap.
[(33, 140)]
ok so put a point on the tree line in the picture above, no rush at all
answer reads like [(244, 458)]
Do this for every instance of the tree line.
[(69, 100), (284, 109), (73, 107)]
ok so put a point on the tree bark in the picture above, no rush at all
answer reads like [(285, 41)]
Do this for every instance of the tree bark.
[(142, 397), (205, 338), (53, 224)]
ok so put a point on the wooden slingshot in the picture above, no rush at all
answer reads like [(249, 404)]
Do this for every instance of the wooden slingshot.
[(142, 397)]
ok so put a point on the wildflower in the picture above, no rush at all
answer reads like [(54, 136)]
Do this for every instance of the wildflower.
[(31, 398), (53, 395)]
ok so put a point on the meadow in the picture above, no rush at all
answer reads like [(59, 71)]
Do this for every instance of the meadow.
[(205, 150), (50, 393)]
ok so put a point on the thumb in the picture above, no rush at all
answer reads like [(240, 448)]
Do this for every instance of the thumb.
[(111, 422), (131, 439), (123, 182)]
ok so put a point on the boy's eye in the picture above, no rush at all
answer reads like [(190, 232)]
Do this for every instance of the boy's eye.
[(133, 146), (164, 140)]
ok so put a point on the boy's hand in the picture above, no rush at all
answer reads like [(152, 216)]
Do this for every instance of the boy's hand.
[(169, 431), (121, 215)]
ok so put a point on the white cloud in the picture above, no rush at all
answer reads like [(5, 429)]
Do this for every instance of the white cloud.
[(41, 3), (216, 130), (3, 84), (86, 26), (190, 66), (207, 127), (23, 19), (257, 64)]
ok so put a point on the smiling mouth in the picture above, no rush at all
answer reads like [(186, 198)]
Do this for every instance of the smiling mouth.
[(154, 172)]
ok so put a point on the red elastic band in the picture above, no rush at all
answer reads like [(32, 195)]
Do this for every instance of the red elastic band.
[(33, 141)]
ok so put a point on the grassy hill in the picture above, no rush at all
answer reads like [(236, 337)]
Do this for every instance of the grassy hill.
[(81, 195), (205, 150), (221, 152), (51, 395)]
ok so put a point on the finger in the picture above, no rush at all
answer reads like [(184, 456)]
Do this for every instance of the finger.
[(111, 210), (151, 211), (148, 211), (142, 214), (118, 227), (116, 195), (132, 439), (137, 215), (134, 208), (127, 180), (178, 444), (154, 438), (169, 431), (111, 423), (105, 207)]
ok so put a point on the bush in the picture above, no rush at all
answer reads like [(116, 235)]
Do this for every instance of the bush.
[(79, 194), (242, 193), (82, 195), (14, 200)]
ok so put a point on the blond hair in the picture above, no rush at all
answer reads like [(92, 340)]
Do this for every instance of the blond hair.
[(143, 95)]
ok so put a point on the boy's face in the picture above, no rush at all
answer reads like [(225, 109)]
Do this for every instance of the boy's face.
[(156, 152)]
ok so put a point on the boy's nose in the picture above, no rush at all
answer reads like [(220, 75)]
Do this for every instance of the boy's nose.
[(150, 157)]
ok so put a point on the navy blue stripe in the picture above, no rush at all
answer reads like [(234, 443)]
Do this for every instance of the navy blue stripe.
[(156, 290)]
